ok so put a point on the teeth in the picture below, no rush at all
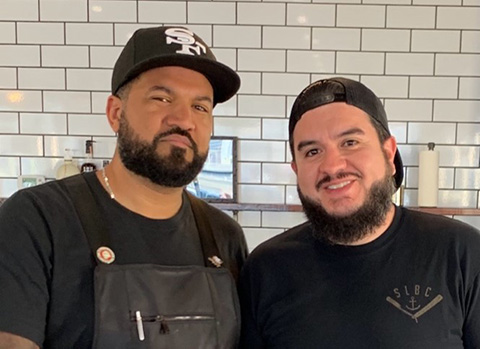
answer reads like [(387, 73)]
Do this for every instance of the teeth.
[(339, 185)]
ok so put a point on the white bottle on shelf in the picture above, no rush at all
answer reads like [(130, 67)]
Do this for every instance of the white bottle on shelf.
[(68, 168)]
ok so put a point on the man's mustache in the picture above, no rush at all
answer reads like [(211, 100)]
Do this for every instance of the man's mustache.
[(179, 131), (339, 175)]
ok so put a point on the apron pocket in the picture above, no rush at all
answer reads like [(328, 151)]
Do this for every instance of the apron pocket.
[(175, 331)]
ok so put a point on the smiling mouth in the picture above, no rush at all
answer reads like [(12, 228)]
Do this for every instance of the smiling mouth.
[(339, 185)]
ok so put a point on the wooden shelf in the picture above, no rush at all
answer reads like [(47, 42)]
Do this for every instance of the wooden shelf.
[(446, 211), (449, 211)]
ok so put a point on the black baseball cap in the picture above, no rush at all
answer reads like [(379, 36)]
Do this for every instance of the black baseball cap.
[(345, 90), (150, 48)]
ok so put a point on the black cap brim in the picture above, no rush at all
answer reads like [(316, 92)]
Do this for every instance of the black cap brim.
[(150, 48), (398, 169), (224, 80)]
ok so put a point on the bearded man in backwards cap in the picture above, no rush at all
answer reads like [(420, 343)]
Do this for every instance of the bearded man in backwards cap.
[(361, 272)]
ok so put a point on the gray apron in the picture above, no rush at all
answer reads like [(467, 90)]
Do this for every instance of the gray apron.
[(155, 306)]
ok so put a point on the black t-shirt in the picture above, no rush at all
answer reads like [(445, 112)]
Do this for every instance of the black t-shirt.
[(46, 266), (138, 239), (416, 286)]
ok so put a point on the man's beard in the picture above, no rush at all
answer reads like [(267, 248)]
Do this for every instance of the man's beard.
[(345, 230), (142, 158)]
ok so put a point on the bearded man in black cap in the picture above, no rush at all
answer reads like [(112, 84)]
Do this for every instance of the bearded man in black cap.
[(361, 272), (124, 257)]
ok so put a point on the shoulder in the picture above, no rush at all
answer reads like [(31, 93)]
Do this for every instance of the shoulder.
[(291, 238), (51, 196), (218, 219), (439, 226), (287, 245), (227, 231), (36, 198), (272, 263), (451, 237), (228, 235), (47, 207)]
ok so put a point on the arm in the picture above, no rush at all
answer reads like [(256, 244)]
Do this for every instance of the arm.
[(251, 337), (11, 341), (24, 272), (471, 328)]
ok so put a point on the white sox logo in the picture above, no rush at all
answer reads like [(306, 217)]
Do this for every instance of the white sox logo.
[(417, 301), (185, 38)]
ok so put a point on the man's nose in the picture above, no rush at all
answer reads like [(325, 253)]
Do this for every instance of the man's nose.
[(180, 114), (333, 162)]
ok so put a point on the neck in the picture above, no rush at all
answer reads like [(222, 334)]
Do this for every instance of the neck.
[(139, 194)]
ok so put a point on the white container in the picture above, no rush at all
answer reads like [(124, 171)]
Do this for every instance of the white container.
[(68, 168), (428, 177)]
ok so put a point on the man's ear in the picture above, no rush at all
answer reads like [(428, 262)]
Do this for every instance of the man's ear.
[(390, 148), (293, 164), (114, 111)]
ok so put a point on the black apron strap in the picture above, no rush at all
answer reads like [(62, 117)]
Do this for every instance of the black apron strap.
[(211, 254), (90, 216)]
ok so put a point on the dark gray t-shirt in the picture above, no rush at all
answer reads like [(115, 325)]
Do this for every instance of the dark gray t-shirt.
[(415, 287)]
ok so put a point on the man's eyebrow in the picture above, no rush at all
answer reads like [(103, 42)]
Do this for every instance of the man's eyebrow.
[(351, 131), (171, 92), (204, 99), (348, 132), (304, 144), (160, 88)]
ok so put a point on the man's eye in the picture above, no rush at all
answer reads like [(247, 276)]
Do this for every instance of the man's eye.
[(311, 152), (160, 99), (201, 108), (350, 142)]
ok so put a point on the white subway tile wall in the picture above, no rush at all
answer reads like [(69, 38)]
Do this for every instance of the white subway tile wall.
[(470, 41), (260, 13), (435, 41), (409, 64), (336, 39), (7, 32), (112, 11), (58, 10), (19, 10), (421, 57), (8, 123), (65, 56), (41, 78), (162, 11), (9, 166), (8, 77), (456, 110), (249, 218), (40, 33)]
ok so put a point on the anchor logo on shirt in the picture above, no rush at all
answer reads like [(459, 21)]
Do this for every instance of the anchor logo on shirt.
[(413, 301), (413, 308)]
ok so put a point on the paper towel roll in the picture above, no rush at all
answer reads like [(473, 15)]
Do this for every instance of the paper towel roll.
[(428, 177)]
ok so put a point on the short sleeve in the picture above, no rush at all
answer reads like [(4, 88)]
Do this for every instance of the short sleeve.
[(24, 268)]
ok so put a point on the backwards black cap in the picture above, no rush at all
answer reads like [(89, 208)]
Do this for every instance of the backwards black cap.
[(343, 90), (150, 48)]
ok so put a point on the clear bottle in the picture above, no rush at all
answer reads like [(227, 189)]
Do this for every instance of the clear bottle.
[(68, 168), (88, 165)]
